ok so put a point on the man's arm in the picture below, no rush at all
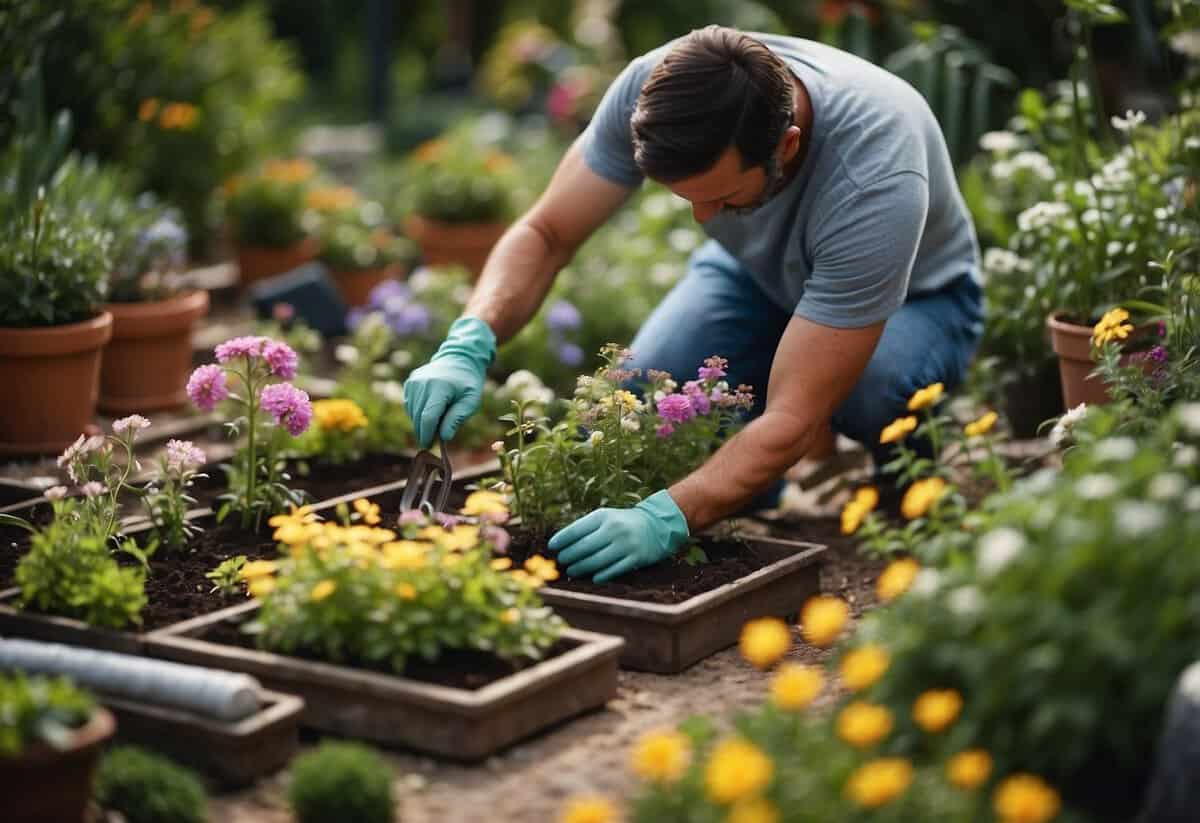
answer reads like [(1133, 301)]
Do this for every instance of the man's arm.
[(524, 263), (815, 369)]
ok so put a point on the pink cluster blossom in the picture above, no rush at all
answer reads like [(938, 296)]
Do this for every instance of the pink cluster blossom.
[(281, 359), (207, 386), (92, 488), (249, 346), (56, 492), (183, 454), (498, 537), (133, 423), (697, 397), (288, 405), (412, 517), (676, 408), (713, 368), (664, 431)]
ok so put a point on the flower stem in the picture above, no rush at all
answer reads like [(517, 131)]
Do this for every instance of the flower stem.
[(251, 461)]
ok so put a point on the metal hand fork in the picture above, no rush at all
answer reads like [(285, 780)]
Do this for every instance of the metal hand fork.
[(430, 478)]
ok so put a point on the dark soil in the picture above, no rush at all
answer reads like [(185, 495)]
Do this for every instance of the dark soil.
[(13, 493), (14, 541), (456, 668)]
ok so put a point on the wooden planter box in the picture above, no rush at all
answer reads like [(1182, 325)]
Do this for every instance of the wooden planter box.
[(391, 710)]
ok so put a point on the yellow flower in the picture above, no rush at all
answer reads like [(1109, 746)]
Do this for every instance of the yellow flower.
[(261, 586), (898, 429), (921, 496), (541, 568), (754, 810), (367, 510), (148, 109), (862, 667), (982, 426), (622, 399), (737, 770), (485, 502), (501, 564), (796, 686), (864, 501), (510, 616), (1111, 327), (331, 199), (322, 590), (662, 756), (405, 554), (449, 561), (864, 724), (431, 150), (937, 709), (765, 641), (302, 515), (822, 619), (1025, 798), (526, 579), (896, 578), (293, 534), (969, 769), (460, 538), (338, 414), (258, 568), (926, 397), (289, 171), (497, 161), (406, 591), (588, 810), (879, 782)]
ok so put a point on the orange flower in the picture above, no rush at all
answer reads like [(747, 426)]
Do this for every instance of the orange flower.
[(289, 171), (430, 151), (332, 199), (178, 116), (201, 19), (497, 162), (148, 109)]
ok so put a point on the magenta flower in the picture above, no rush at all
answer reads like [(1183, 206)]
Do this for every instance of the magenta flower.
[(676, 408), (250, 346), (132, 423), (207, 387), (288, 405), (281, 358), (696, 396), (183, 454), (498, 537), (713, 368), (664, 431), (412, 517), (446, 521)]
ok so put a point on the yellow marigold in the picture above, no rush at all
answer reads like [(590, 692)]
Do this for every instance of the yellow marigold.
[(148, 109), (588, 810), (935, 710), (405, 554), (289, 171), (367, 510), (541, 568), (856, 511), (736, 770), (765, 641), (863, 724), (1025, 798), (261, 586), (896, 578), (322, 590), (406, 591), (754, 810), (796, 686), (980, 427), (1111, 327), (293, 534), (430, 151), (178, 116), (501, 564), (926, 397), (970, 769), (510, 616), (338, 414), (862, 667), (449, 561), (879, 782), (823, 618), (921, 496), (460, 538), (898, 429), (485, 502), (662, 756), (334, 198), (301, 515), (258, 568), (526, 579)]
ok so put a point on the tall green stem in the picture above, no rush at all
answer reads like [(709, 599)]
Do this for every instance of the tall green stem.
[(251, 461)]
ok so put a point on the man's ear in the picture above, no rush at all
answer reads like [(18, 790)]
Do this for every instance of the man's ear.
[(789, 144)]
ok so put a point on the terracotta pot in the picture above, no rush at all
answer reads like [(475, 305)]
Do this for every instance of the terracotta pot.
[(467, 244), (1073, 345), (260, 262), (51, 376), (146, 363), (47, 785), (356, 284)]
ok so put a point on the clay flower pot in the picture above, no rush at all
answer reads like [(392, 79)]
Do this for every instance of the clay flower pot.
[(467, 244), (46, 785), (146, 364), (260, 262), (1073, 345), (356, 284), (52, 377)]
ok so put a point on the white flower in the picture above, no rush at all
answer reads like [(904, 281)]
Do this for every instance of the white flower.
[(1061, 432), (1040, 482), (1167, 486), (1000, 142), (1042, 215), (381, 369), (656, 206), (965, 601), (1002, 170), (1036, 162), (1187, 43), (72, 451), (1096, 486), (390, 390), (93, 443), (926, 583), (1090, 217), (422, 280), (596, 437), (1192, 143), (133, 423), (92, 488), (1189, 416), (683, 240), (665, 274), (1137, 519), (56, 492), (659, 395), (1130, 121), (1115, 448), (401, 358), (630, 424), (1191, 500), (1113, 248), (521, 380), (498, 446), (1185, 456), (1002, 261), (1162, 213), (997, 549), (345, 353)]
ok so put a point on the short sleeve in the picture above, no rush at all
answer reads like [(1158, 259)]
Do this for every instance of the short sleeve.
[(608, 139), (863, 253)]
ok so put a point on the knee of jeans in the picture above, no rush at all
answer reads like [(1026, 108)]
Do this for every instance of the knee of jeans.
[(880, 397)]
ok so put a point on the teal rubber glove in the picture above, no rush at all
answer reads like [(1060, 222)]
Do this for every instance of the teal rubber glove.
[(443, 393), (613, 542)]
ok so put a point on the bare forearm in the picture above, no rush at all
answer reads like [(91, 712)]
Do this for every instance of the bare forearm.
[(516, 278)]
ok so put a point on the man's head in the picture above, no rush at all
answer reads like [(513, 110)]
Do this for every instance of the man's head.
[(714, 122)]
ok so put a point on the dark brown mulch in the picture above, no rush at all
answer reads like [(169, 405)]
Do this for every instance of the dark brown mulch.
[(14, 541)]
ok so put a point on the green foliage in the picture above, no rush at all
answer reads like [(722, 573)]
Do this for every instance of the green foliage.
[(461, 178), (148, 788), (265, 207), (357, 237), (39, 710), (347, 782), (227, 576)]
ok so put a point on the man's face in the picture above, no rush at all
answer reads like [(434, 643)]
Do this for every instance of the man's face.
[(729, 187)]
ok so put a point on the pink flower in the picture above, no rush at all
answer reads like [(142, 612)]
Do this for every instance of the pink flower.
[(281, 358), (696, 396), (664, 431), (72, 451), (133, 423), (92, 488), (676, 408), (250, 346), (713, 368), (446, 521), (498, 537), (56, 492), (207, 387), (283, 312), (183, 454), (412, 517), (288, 405)]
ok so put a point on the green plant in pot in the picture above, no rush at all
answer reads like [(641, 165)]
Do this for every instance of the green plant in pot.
[(356, 242), (264, 210)]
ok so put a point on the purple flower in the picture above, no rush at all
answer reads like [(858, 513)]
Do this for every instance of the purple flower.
[(676, 408), (133, 423), (498, 537), (207, 387), (288, 405), (1158, 354), (563, 317), (92, 488), (281, 358), (386, 292), (664, 431), (713, 368), (446, 521), (696, 396), (183, 454), (570, 355), (409, 320), (250, 346), (354, 318)]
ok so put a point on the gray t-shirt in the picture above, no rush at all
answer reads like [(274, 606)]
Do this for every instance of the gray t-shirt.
[(874, 214)]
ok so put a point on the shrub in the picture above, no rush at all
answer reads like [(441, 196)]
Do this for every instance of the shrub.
[(39, 710), (346, 782), (265, 207), (148, 788)]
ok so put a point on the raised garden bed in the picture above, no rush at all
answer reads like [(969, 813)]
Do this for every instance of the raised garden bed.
[(431, 708)]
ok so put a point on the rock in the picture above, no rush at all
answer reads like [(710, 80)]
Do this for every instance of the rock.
[(1174, 793)]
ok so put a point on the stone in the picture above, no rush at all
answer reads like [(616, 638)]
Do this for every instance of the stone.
[(1174, 793)]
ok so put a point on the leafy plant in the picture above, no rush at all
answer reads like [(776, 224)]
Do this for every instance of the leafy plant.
[(455, 179), (341, 781), (354, 234), (265, 207), (227, 576), (166, 496), (149, 788), (36, 709), (339, 433)]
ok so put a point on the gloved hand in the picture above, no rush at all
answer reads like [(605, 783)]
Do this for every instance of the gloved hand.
[(449, 388), (612, 542)]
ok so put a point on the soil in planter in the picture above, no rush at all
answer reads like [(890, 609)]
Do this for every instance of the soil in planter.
[(455, 668), (14, 541)]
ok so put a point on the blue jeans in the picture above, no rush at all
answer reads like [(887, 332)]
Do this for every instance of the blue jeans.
[(718, 309)]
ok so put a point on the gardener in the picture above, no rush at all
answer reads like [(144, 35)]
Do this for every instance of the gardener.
[(841, 271)]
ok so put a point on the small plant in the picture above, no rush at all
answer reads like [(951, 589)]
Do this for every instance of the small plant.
[(150, 266), (37, 710), (266, 206), (148, 788), (255, 481), (227, 576), (453, 179), (354, 234), (347, 782), (339, 433), (166, 497)]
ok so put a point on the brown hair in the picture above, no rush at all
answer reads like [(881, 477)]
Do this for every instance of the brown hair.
[(714, 89)]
